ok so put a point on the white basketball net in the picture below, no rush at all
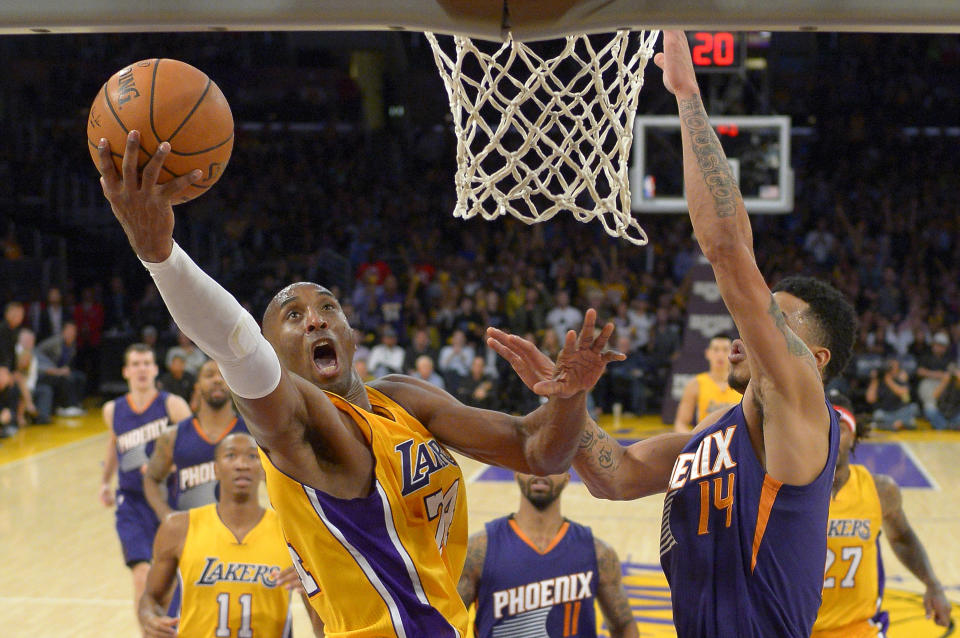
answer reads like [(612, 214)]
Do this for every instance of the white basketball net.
[(539, 135)]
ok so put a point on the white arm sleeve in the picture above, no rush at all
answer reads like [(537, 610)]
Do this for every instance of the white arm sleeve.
[(218, 324)]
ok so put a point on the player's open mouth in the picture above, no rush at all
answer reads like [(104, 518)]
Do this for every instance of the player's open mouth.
[(325, 358), (737, 351)]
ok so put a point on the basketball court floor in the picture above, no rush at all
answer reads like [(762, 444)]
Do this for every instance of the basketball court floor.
[(63, 574)]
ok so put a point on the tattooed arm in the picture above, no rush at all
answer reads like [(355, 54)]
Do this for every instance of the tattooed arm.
[(617, 473), (155, 475), (784, 371), (473, 568), (611, 595)]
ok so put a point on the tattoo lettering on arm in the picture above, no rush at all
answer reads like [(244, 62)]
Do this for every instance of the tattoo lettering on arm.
[(710, 157), (610, 592), (472, 568)]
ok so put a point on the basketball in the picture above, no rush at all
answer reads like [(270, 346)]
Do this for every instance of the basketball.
[(165, 100)]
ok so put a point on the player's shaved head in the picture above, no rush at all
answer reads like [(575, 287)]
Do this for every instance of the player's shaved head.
[(312, 337)]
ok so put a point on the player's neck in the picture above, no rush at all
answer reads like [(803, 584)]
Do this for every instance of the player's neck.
[(357, 393), (540, 526), (240, 516), (840, 477), (215, 421), (141, 397)]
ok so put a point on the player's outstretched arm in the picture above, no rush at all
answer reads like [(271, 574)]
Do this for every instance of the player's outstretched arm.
[(613, 599), (614, 472), (789, 383), (177, 408), (167, 548), (909, 550), (608, 469), (542, 442), (473, 568), (158, 468), (271, 399)]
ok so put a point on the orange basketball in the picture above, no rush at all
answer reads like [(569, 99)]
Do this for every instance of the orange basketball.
[(165, 100)]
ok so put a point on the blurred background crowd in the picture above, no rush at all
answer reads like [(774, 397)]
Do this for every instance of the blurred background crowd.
[(342, 173)]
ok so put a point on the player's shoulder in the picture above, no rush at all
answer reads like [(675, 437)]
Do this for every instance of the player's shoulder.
[(176, 406), (476, 551), (270, 516), (108, 411), (172, 532), (478, 539), (392, 383), (177, 519), (608, 563), (412, 394), (602, 547)]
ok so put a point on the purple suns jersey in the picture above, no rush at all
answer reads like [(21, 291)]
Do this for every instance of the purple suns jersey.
[(136, 433), (192, 483), (742, 552), (526, 592)]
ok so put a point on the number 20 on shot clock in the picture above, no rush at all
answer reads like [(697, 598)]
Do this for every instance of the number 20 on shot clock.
[(717, 51)]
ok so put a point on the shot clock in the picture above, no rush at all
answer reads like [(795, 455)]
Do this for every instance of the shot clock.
[(717, 51)]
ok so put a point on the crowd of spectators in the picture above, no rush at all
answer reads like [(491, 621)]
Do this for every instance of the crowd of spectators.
[(367, 213)]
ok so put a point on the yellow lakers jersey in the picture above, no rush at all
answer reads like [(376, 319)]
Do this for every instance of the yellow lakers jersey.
[(387, 564), (711, 398), (852, 586), (229, 585)]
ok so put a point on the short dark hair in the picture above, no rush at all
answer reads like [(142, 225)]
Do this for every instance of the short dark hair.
[(222, 442), (137, 347), (835, 318)]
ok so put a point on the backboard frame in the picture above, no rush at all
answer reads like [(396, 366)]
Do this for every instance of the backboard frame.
[(487, 19), (642, 204)]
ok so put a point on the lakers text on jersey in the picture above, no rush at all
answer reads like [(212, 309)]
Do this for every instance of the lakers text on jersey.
[(387, 564), (229, 585)]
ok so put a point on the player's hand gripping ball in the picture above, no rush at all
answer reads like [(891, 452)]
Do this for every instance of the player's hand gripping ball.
[(165, 100)]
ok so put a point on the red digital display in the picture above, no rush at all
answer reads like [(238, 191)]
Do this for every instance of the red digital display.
[(716, 50), (728, 130)]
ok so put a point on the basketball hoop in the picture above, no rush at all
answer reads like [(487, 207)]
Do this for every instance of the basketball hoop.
[(538, 134)]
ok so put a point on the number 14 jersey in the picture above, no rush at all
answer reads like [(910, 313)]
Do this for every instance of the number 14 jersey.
[(743, 553)]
